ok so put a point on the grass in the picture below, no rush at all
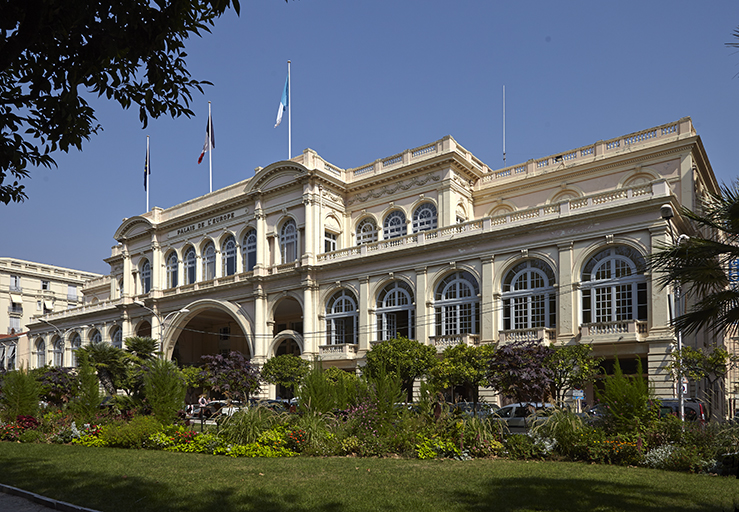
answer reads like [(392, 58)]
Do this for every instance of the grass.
[(111, 480)]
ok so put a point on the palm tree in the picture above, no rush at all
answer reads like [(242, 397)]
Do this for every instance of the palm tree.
[(109, 362), (701, 264)]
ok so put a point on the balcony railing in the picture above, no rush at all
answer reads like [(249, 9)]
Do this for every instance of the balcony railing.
[(635, 329), (449, 340), (15, 287), (15, 310), (534, 334), (338, 351)]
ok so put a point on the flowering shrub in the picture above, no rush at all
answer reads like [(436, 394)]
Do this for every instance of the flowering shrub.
[(615, 451), (88, 435), (27, 422), (296, 439), (10, 432), (676, 458)]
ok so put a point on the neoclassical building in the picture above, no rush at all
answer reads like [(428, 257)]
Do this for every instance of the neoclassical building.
[(310, 258)]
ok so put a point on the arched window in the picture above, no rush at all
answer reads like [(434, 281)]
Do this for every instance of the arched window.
[(76, 343), (289, 242), (529, 298), (394, 225), (396, 312), (117, 337), (59, 352), (145, 277), (457, 305), (249, 250), (424, 218), (228, 255), (341, 318), (209, 262), (190, 266), (96, 337), (40, 353), (614, 287), (172, 270), (366, 231)]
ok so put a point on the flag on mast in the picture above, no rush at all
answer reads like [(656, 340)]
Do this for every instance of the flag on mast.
[(147, 170), (210, 139), (284, 102)]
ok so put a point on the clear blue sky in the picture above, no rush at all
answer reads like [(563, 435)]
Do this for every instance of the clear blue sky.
[(372, 78)]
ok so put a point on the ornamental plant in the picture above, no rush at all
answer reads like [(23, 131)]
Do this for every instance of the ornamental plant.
[(233, 375), (21, 393), (164, 388)]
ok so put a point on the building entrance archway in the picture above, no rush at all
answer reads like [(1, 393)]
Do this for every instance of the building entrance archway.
[(208, 331)]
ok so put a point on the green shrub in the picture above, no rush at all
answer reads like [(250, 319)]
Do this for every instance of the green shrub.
[(32, 436), (627, 401), (525, 447), (481, 438), (133, 434), (566, 428), (20, 395), (164, 389), (245, 426), (433, 447), (86, 405)]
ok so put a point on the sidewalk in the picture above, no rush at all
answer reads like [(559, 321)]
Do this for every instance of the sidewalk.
[(13, 499)]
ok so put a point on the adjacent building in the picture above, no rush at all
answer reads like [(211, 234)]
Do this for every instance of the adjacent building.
[(29, 290), (310, 258)]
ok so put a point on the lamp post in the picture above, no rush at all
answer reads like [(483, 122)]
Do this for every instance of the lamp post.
[(667, 214), (160, 320), (64, 334)]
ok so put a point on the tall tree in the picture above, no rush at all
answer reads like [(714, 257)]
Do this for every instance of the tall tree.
[(110, 363), (233, 375), (287, 370), (464, 365), (404, 358), (51, 51), (572, 367), (518, 371), (701, 264)]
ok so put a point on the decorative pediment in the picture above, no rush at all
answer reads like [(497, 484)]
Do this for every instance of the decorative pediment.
[(133, 227)]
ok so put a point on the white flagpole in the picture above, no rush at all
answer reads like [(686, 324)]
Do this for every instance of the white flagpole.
[(289, 115), (148, 174), (504, 126), (210, 147)]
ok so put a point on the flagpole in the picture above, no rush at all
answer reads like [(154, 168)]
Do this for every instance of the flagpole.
[(289, 115), (210, 147), (148, 174)]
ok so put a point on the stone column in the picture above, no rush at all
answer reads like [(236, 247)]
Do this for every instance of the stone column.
[(424, 311), (128, 277), (365, 322), (261, 336), (488, 301), (567, 306), (310, 336), (262, 257), (156, 266)]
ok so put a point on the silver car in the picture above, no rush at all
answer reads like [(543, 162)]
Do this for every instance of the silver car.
[(521, 416)]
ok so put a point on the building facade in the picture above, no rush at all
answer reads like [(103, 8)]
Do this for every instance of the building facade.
[(309, 258), (29, 290)]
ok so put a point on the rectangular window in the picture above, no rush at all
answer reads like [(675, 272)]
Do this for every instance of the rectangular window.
[(225, 333), (15, 283), (15, 325), (329, 242), (603, 304), (72, 292), (45, 285), (38, 306)]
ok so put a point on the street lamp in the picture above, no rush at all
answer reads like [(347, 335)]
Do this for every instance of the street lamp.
[(63, 335), (667, 214), (162, 322)]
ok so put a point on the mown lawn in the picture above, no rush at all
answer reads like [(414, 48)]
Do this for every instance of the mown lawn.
[(110, 479)]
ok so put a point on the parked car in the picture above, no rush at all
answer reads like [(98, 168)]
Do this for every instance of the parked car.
[(521, 416), (694, 409), (484, 410)]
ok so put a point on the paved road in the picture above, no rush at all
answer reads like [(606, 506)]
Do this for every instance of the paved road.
[(17, 500)]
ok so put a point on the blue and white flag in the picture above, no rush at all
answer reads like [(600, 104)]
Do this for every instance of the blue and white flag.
[(283, 102)]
